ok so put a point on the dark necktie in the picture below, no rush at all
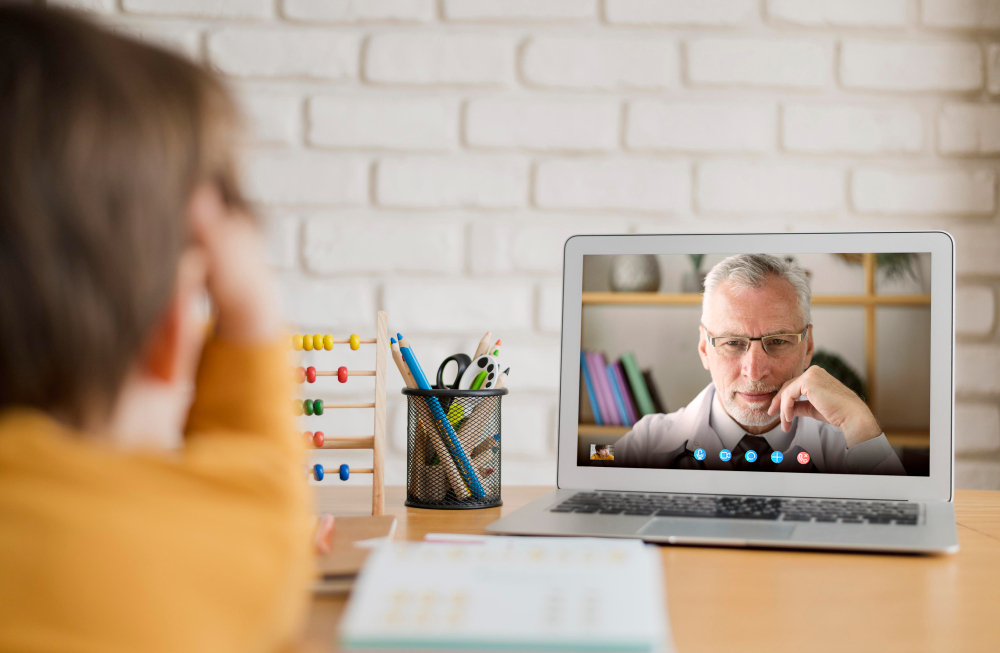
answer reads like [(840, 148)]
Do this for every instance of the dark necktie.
[(763, 450)]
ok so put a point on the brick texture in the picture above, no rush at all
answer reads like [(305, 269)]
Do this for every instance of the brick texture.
[(932, 192), (601, 63), (701, 126), (645, 185), (917, 66), (827, 128), (969, 129), (542, 124), (760, 62), (296, 177), (462, 59), (508, 10), (350, 11), (433, 182), (846, 13), (429, 123), (680, 12), (268, 52), (202, 8), (738, 187), (402, 151)]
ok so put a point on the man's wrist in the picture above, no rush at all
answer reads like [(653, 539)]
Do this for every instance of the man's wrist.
[(867, 428)]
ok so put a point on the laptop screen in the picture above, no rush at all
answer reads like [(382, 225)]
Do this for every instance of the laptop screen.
[(782, 363)]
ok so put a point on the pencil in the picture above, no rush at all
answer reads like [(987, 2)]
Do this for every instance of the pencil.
[(404, 371), (496, 349), (502, 380), (484, 344)]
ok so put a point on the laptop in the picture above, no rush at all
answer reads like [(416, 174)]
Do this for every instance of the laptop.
[(756, 390)]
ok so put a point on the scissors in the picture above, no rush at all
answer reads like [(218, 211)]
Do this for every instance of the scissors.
[(462, 361)]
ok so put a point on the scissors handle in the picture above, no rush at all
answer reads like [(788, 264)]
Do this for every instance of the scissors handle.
[(462, 361)]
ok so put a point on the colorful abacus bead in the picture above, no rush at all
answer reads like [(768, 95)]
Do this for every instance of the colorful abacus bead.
[(318, 439), (300, 375), (308, 435), (308, 407), (317, 342), (307, 343), (355, 341), (298, 407), (318, 472), (297, 342), (310, 374), (342, 374), (317, 406), (345, 472), (328, 342)]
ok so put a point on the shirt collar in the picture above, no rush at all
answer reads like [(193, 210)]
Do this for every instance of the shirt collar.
[(731, 433)]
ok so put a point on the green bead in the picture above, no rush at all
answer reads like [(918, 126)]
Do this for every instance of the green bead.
[(318, 406), (308, 405), (297, 407)]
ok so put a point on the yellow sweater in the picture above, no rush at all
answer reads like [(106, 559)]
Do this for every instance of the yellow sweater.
[(203, 550)]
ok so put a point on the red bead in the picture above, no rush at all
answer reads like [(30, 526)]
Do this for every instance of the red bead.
[(300, 375), (311, 374), (318, 439), (308, 435), (342, 375)]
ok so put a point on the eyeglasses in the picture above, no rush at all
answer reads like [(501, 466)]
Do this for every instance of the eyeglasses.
[(776, 345)]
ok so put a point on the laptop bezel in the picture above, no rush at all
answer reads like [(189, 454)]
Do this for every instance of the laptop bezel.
[(938, 486)]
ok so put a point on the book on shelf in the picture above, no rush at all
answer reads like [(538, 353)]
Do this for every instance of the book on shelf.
[(616, 393)]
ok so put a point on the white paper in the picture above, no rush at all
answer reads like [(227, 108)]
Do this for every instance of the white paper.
[(481, 593)]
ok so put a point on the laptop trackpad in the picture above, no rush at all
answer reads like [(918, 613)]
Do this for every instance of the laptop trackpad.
[(711, 529)]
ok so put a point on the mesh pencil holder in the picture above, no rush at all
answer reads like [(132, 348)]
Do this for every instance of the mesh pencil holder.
[(453, 448)]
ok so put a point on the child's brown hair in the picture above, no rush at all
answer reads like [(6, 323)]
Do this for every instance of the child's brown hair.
[(102, 142)]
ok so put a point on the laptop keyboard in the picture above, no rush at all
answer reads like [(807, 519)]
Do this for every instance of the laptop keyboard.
[(731, 507)]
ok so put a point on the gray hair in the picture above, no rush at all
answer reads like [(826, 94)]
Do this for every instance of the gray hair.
[(752, 271)]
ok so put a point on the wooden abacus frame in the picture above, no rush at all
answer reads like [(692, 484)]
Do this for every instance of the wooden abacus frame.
[(376, 441)]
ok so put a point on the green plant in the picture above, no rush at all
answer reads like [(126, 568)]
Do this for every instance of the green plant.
[(840, 370), (696, 260)]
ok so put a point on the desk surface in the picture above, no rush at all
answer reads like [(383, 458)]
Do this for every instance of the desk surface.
[(774, 601)]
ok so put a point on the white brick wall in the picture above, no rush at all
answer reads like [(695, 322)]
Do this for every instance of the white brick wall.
[(827, 128), (760, 62), (430, 157), (423, 123), (911, 66), (601, 62)]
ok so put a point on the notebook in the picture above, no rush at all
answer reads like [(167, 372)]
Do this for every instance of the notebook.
[(482, 593)]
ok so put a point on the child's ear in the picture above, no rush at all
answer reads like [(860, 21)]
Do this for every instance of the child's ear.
[(161, 360)]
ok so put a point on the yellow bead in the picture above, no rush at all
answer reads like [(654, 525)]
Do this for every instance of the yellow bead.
[(317, 342), (355, 341), (307, 343), (297, 407), (328, 342), (297, 342)]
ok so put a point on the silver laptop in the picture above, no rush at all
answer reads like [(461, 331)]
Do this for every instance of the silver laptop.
[(756, 390)]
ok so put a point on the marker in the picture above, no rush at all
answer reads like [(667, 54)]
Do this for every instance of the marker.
[(448, 435)]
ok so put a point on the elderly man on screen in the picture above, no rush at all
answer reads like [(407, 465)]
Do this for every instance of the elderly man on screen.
[(765, 406)]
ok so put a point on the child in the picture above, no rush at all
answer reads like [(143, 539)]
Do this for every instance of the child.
[(133, 516)]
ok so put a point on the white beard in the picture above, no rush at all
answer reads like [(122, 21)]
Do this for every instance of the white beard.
[(754, 414)]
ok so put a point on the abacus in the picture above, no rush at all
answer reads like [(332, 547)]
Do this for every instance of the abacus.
[(309, 407)]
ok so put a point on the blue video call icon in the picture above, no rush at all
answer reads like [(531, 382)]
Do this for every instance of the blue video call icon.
[(776, 457), (725, 455), (699, 454), (751, 456)]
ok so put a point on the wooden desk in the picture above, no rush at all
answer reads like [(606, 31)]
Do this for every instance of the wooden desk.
[(774, 601)]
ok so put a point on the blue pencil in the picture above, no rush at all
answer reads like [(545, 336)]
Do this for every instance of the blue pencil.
[(444, 427)]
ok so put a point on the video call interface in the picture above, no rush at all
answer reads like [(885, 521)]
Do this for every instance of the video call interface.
[(782, 363)]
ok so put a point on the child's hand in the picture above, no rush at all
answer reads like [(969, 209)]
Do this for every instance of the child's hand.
[(240, 284)]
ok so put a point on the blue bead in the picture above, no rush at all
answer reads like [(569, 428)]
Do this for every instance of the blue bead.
[(318, 472), (345, 472)]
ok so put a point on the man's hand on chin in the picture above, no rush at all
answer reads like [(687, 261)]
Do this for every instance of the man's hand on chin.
[(827, 400)]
